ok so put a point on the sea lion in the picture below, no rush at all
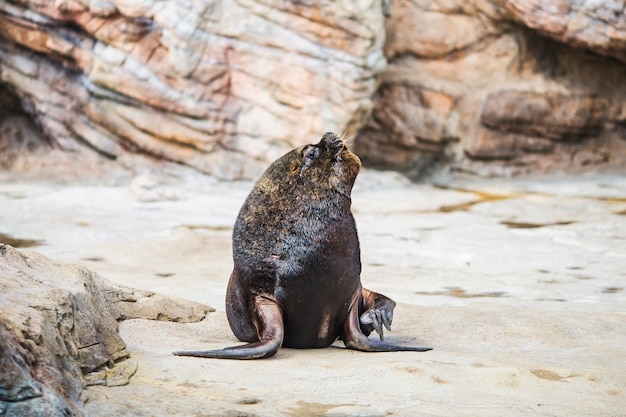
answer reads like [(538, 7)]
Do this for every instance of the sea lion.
[(296, 278)]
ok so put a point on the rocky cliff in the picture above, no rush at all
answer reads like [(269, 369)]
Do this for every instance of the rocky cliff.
[(498, 86), (219, 86)]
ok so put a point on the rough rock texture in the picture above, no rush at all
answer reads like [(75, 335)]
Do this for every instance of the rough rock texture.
[(221, 86), (409, 127), (599, 26), (58, 332), (520, 86), (227, 86)]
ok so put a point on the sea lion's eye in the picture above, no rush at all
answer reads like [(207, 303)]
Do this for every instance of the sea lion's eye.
[(293, 168), (312, 152)]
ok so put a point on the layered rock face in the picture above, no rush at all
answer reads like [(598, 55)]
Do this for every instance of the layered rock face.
[(222, 86), (227, 86), (501, 86), (58, 332)]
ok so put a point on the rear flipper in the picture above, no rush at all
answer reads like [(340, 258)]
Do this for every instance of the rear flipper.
[(380, 310), (270, 330), (255, 350)]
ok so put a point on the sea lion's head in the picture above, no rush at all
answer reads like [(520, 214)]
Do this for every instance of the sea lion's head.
[(326, 165)]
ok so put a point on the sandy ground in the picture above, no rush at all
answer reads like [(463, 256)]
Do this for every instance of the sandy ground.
[(518, 285)]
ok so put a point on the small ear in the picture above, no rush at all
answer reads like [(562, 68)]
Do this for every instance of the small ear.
[(294, 168)]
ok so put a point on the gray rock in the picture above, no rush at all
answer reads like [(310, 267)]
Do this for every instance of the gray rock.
[(59, 332)]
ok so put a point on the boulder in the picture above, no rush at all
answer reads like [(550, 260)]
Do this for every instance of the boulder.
[(548, 115), (58, 332)]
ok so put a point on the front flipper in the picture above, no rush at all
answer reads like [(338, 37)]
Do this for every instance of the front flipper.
[(375, 311), (268, 321), (354, 338)]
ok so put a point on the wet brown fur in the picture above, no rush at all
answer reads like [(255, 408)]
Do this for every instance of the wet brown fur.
[(296, 277)]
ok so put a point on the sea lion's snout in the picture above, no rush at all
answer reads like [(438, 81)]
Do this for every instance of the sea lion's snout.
[(333, 143), (335, 147)]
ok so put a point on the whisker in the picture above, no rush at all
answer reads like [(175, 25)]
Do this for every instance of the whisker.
[(347, 136)]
